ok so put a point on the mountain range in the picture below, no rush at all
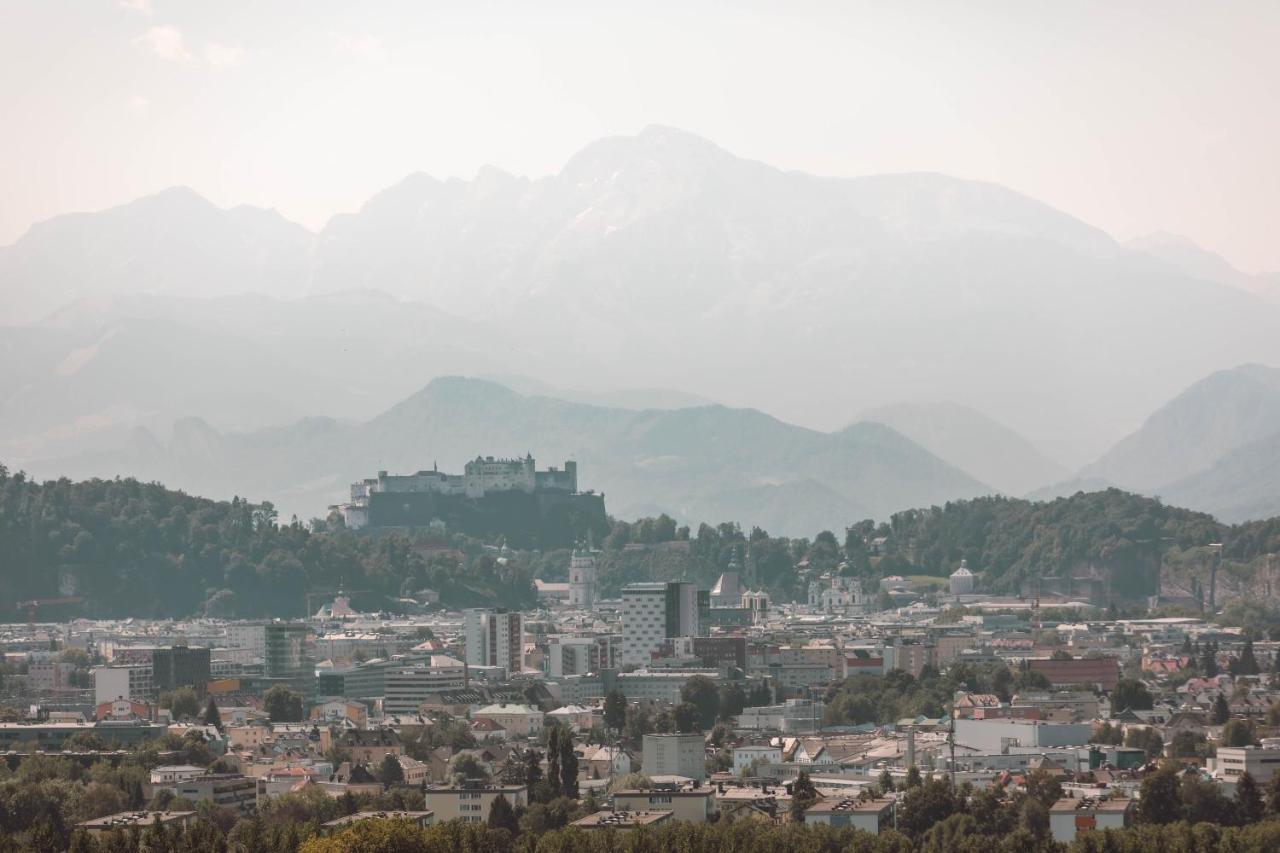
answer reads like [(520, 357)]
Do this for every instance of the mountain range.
[(655, 271), (711, 463)]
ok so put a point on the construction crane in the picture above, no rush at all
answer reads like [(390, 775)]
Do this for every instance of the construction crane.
[(36, 603)]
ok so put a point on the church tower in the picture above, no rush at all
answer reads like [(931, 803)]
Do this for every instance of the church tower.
[(582, 579)]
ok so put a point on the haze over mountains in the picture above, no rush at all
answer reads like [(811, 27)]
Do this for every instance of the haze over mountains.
[(656, 270), (698, 463)]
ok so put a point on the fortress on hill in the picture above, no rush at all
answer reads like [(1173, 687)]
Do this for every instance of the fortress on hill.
[(486, 490)]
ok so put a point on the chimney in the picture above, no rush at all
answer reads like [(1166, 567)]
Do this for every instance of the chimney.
[(911, 746)]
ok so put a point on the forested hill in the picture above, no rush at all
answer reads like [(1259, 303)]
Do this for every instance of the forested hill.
[(1009, 540), (138, 549)]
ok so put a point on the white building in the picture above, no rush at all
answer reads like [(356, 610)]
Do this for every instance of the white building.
[(962, 580), (653, 612), (122, 682), (745, 756), (1069, 818), (674, 755), (494, 638), (407, 687), (481, 476), (1232, 762), (577, 655), (997, 736), (582, 579), (244, 635)]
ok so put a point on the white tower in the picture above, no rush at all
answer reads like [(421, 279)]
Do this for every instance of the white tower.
[(962, 580), (582, 579)]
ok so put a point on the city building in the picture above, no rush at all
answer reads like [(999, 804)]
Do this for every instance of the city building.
[(962, 580), (180, 666), (494, 638), (674, 755), (394, 499), (122, 682), (124, 821), (516, 720), (420, 819), (582, 579), (620, 821), (1100, 673), (407, 687), (1068, 818), (578, 655), (866, 815), (289, 656), (654, 612), (221, 789), (692, 804), (1232, 762), (472, 804)]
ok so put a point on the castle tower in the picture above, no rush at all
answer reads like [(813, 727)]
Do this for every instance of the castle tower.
[(582, 579)]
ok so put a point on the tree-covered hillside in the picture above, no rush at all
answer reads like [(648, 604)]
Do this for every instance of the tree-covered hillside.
[(1010, 540), (138, 549)]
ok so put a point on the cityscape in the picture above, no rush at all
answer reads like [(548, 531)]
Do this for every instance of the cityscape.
[(666, 427)]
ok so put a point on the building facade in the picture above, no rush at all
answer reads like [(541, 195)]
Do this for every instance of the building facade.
[(582, 579), (674, 755), (654, 612), (494, 638)]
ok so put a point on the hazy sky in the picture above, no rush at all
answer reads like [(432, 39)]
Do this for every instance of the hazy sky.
[(1135, 116)]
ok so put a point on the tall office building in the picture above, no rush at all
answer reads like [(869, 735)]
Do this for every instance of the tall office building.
[(180, 666), (655, 612), (289, 656), (495, 638)]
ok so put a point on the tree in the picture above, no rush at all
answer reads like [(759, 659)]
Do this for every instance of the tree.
[(615, 710), (761, 695), (1159, 797), (913, 778), (803, 795), (283, 705), (701, 692), (1221, 710), (1203, 802), (182, 703), (1237, 733), (1146, 739), (466, 766), (732, 700), (1209, 662), (84, 742), (1002, 683), (685, 717), (1248, 800), (1248, 664), (502, 816), (1273, 796), (925, 805), (568, 766), (212, 717), (1132, 695), (555, 780), (390, 772)]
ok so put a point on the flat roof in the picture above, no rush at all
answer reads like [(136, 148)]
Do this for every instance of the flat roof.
[(138, 818), (379, 815), (1091, 804), (850, 804), (603, 820)]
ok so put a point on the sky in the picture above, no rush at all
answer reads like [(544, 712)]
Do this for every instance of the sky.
[(1134, 116)]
